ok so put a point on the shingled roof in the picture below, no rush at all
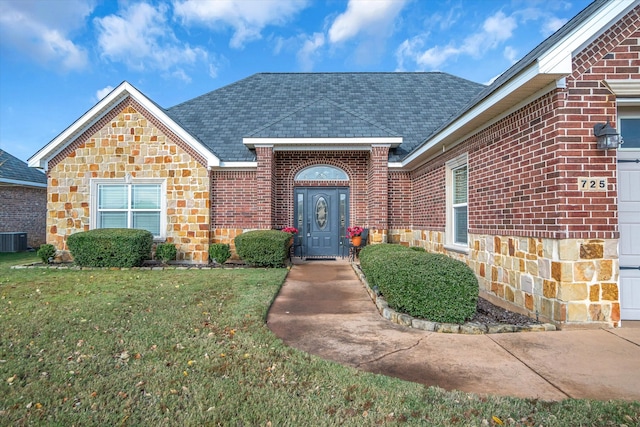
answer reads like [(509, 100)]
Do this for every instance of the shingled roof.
[(16, 172), (325, 105)]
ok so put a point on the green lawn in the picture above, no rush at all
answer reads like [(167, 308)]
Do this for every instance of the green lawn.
[(176, 347)]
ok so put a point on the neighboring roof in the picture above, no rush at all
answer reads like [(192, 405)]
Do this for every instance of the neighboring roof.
[(268, 105), (14, 171)]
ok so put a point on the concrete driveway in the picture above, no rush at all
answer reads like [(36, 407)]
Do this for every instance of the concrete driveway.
[(323, 309)]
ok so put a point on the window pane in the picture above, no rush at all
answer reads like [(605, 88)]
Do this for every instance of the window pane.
[(300, 212), (112, 220), (460, 224), (146, 196), (147, 221), (322, 173), (460, 185), (630, 131), (322, 211), (112, 197)]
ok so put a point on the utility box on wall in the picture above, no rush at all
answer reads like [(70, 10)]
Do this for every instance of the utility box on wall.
[(13, 242)]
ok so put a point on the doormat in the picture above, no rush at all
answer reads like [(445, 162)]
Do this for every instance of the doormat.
[(319, 259)]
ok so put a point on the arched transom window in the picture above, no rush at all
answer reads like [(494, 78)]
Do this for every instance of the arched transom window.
[(322, 173)]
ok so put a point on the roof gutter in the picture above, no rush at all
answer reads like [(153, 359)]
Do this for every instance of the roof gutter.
[(17, 182)]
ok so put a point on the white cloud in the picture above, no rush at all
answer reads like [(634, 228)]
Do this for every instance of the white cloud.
[(140, 37), (213, 71), (368, 17), (551, 25), (247, 18), (181, 75), (496, 29), (101, 93), (511, 54), (308, 53), (42, 30)]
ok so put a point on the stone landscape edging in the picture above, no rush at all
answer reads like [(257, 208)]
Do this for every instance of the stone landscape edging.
[(470, 328)]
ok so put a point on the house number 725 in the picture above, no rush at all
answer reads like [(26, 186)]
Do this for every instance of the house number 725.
[(592, 184)]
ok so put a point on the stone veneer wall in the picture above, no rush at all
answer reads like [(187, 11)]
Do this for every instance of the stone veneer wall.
[(568, 282), (130, 141)]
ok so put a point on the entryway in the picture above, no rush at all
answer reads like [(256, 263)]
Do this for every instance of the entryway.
[(321, 215), (629, 216)]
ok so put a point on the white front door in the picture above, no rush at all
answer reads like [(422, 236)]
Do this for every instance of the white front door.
[(629, 216)]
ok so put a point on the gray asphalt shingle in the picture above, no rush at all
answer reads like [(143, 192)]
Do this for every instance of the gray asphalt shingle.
[(12, 168), (303, 105)]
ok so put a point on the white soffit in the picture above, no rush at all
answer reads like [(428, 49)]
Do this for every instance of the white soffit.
[(124, 90), (624, 88), (305, 144), (237, 165)]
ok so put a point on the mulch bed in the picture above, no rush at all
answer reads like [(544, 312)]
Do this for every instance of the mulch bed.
[(490, 314)]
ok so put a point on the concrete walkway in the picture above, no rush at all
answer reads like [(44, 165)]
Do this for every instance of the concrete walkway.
[(323, 309)]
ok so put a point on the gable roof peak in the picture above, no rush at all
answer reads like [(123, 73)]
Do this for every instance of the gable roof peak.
[(103, 107)]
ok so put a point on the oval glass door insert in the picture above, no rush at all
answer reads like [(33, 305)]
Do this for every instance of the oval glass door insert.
[(322, 213)]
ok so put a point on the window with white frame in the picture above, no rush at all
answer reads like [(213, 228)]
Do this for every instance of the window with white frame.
[(121, 204), (457, 198)]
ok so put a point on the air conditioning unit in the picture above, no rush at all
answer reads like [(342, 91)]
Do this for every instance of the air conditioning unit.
[(13, 242)]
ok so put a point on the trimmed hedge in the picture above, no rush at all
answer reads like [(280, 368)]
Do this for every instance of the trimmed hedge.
[(263, 248), (219, 252), (110, 247), (422, 284)]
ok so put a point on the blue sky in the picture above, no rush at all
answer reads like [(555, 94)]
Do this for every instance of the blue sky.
[(59, 57)]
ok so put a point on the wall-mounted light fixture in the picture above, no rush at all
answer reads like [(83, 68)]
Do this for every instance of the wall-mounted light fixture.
[(607, 136)]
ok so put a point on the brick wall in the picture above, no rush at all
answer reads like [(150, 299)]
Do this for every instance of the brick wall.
[(130, 141), (239, 203), (234, 195), (536, 240), (289, 163), (399, 200), (24, 209)]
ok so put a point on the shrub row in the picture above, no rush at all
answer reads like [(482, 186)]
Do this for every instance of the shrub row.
[(110, 247), (263, 248), (422, 284), (122, 247)]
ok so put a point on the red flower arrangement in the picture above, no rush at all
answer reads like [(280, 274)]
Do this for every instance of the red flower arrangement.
[(290, 230), (354, 231)]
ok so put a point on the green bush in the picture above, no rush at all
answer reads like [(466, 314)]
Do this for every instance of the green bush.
[(425, 285), (263, 248), (110, 247), (46, 252), (374, 255), (219, 252), (166, 252)]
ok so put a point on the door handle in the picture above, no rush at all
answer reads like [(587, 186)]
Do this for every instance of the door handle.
[(308, 229), (629, 268)]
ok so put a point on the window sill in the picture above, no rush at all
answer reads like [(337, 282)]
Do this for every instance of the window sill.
[(458, 248)]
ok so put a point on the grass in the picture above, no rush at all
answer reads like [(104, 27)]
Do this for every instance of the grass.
[(191, 348)]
